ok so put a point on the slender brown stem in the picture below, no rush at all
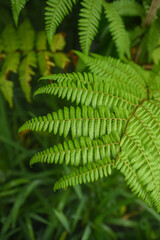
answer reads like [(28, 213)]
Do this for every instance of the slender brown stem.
[(148, 21), (151, 13)]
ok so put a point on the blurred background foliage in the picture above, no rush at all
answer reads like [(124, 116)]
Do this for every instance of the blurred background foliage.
[(29, 208)]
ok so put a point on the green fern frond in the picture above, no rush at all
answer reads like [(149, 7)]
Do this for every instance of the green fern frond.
[(88, 23), (131, 137), (56, 10), (139, 158), (95, 95), (129, 8), (9, 39), (20, 50), (84, 121), (26, 72), (11, 64), (17, 6), (118, 31), (26, 37), (123, 75), (80, 151), (85, 174), (6, 88), (43, 55), (82, 77)]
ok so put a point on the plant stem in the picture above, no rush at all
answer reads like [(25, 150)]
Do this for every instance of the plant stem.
[(148, 21), (151, 13)]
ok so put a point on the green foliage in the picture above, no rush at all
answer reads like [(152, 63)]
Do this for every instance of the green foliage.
[(90, 15), (56, 10), (118, 31), (88, 23), (20, 52), (17, 6), (117, 126)]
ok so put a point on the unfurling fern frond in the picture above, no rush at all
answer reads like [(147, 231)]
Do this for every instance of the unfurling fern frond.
[(88, 24), (56, 10), (17, 6), (114, 128), (117, 29), (20, 51)]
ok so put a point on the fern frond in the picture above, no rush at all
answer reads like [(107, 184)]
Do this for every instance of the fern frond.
[(85, 174), (139, 158), (25, 73), (26, 37), (17, 6), (43, 56), (84, 121), (11, 63), (98, 94), (9, 39), (123, 75), (80, 151), (7, 89), (82, 77), (118, 31), (56, 10), (88, 23), (20, 50), (129, 8)]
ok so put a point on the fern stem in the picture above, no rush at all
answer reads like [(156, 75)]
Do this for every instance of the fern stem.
[(151, 13)]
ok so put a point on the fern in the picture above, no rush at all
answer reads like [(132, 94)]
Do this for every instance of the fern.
[(89, 173), (88, 23), (80, 121), (114, 127), (17, 6), (56, 10), (90, 15), (20, 52), (117, 29), (129, 8)]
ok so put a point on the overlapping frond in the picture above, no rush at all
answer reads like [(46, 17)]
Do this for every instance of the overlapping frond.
[(90, 14), (84, 121), (17, 6), (56, 10), (81, 151), (129, 8), (95, 95), (120, 74), (118, 31), (90, 173), (139, 158)]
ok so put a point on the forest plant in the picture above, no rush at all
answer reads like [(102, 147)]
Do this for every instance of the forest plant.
[(117, 125), (23, 50), (90, 15)]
